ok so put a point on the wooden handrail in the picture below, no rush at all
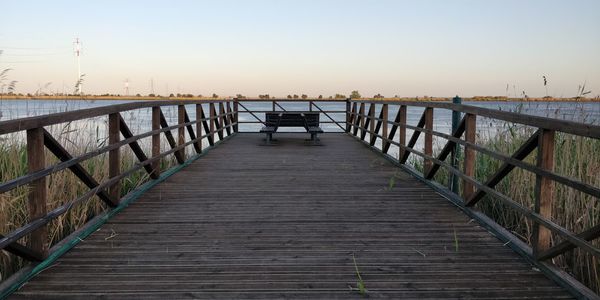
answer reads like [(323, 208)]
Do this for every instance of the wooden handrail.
[(109, 190), (541, 249), (359, 120)]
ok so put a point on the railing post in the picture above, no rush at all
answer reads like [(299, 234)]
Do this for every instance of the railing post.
[(181, 129), (221, 114), (361, 112), (36, 161), (428, 139), (235, 115), (372, 120), (384, 128), (212, 120), (402, 132), (455, 155), (114, 160), (544, 192), (199, 125), (469, 163), (310, 106), (348, 117), (156, 139)]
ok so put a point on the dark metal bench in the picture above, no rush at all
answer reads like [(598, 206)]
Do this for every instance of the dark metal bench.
[(308, 120)]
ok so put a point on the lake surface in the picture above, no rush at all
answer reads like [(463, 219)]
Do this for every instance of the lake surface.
[(139, 120), (589, 111)]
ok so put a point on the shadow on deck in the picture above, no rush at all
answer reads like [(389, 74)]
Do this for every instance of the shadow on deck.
[(254, 222)]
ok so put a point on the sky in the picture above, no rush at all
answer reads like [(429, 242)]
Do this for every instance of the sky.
[(407, 48)]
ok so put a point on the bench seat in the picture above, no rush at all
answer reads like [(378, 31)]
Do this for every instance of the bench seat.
[(307, 120), (268, 129)]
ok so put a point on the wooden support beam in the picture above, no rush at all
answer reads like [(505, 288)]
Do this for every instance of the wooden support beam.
[(588, 235), (218, 121), (171, 139), (428, 146), (228, 118), (357, 118), (156, 111), (544, 192), (413, 138), (366, 122), (63, 155), (521, 153), (192, 134), (181, 130), (372, 119), (22, 251), (199, 125), (221, 118), (114, 156), (384, 123), (447, 150), (402, 111), (375, 131), (361, 120), (392, 132), (470, 154), (348, 114), (211, 120), (207, 128), (235, 116), (135, 147), (37, 197)]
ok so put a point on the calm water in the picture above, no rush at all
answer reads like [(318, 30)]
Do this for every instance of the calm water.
[(139, 120)]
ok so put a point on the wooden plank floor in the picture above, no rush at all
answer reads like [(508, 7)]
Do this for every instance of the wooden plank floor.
[(255, 222)]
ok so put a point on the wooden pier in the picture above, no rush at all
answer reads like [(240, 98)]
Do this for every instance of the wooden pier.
[(243, 220)]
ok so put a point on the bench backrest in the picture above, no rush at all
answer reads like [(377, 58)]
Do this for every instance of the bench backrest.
[(292, 119)]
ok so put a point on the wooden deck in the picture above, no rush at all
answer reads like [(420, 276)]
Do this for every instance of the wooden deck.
[(255, 222)]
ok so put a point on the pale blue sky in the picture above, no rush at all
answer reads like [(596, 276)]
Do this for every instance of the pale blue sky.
[(409, 48)]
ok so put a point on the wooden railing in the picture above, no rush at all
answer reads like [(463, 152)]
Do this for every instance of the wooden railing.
[(361, 120), (364, 124), (220, 123)]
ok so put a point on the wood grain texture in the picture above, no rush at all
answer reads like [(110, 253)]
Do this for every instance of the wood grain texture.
[(544, 191), (114, 156), (469, 162), (278, 222), (38, 193)]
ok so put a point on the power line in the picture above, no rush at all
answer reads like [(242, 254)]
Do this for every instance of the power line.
[(23, 48)]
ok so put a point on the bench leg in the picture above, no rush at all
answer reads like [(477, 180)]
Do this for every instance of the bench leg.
[(313, 138), (269, 138)]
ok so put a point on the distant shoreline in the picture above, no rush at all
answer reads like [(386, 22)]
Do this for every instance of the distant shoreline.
[(148, 98)]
